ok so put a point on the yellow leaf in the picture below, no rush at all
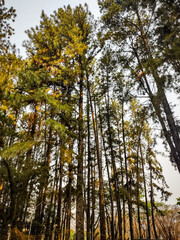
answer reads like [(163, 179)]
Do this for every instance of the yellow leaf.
[(11, 116), (65, 82), (47, 90), (1, 186), (58, 95), (37, 107), (4, 108)]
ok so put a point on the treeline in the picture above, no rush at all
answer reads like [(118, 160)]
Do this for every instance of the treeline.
[(76, 145)]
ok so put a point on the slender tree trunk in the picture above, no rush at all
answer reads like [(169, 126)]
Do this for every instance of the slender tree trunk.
[(63, 224), (80, 184), (152, 201), (108, 223), (99, 160), (89, 170), (47, 234), (53, 222), (59, 208), (138, 197), (109, 182), (29, 192), (12, 211), (50, 226), (145, 193), (122, 182), (127, 177), (47, 162), (101, 191), (93, 199), (36, 227), (116, 182), (69, 198)]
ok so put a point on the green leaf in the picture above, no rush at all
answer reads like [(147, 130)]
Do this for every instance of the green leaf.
[(17, 149)]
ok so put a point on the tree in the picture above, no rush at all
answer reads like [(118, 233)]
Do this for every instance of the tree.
[(6, 30), (135, 33), (64, 56)]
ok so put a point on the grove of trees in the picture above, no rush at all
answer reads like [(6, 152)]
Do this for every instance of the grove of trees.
[(77, 143)]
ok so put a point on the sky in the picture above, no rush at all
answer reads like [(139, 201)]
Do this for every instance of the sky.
[(28, 15)]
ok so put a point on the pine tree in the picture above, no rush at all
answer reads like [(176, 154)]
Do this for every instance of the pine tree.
[(136, 33)]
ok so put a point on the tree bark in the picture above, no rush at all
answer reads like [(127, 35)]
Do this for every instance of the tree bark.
[(116, 182), (145, 193), (80, 182), (127, 177), (101, 191), (89, 171), (109, 182), (69, 198), (152, 201), (137, 172), (59, 208)]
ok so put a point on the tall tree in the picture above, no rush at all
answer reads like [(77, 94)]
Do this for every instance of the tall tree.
[(136, 33)]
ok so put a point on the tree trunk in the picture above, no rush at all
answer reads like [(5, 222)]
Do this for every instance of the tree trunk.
[(152, 201), (59, 208), (69, 198), (109, 182), (116, 182), (47, 163), (89, 170), (101, 191), (122, 182), (99, 160), (93, 199), (145, 193), (138, 197), (127, 177), (80, 184)]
